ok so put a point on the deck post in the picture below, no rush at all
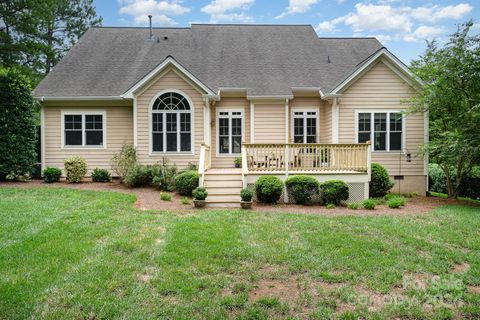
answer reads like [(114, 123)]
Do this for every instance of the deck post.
[(287, 160)]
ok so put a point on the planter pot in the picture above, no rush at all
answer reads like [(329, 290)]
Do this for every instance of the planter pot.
[(246, 204), (199, 203), (238, 165)]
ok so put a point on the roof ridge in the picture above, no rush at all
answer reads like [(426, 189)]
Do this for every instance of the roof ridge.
[(252, 24), (131, 27), (349, 38)]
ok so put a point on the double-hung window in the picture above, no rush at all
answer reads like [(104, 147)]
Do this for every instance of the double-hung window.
[(383, 129), (171, 124), (304, 126), (83, 129)]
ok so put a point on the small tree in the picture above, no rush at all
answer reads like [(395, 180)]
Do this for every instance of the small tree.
[(451, 95), (17, 126), (124, 161)]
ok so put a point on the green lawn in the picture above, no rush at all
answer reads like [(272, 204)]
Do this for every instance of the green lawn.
[(67, 253)]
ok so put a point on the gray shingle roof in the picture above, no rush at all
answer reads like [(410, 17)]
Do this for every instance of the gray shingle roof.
[(265, 59)]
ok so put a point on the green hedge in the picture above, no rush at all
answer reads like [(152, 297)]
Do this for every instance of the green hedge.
[(268, 189), (380, 182), (302, 188), (186, 182), (334, 192)]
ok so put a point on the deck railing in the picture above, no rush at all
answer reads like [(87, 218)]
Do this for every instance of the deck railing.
[(203, 162), (306, 157)]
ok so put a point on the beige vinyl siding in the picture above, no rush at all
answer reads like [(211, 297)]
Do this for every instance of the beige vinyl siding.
[(382, 89), (119, 130), (326, 123), (169, 80), (228, 103), (269, 123)]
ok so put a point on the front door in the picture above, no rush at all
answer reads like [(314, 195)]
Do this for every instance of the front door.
[(230, 131)]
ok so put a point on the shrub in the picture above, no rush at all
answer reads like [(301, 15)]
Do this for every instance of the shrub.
[(369, 204), (101, 175), (380, 182), (334, 191), (302, 188), (164, 178), (395, 203), (51, 174), (353, 206), (140, 176), (246, 194), (75, 169), (165, 196), (389, 196), (200, 193), (185, 182), (237, 162), (17, 123), (124, 161), (268, 189), (330, 206), (185, 200)]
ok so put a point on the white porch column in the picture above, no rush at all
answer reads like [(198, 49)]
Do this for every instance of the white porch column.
[(252, 122), (335, 120), (286, 121), (206, 121), (135, 125)]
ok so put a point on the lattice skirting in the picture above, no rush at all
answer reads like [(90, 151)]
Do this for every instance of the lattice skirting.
[(356, 193)]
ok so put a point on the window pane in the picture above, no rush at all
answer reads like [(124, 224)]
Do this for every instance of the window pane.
[(157, 142), (395, 122), (298, 139), (73, 121), (94, 138), (171, 122), (157, 122), (223, 127), (311, 126), (223, 145), (236, 126), (395, 141), (298, 126), (94, 122), (364, 121), (363, 137), (380, 141), (380, 122), (185, 122), (73, 138), (236, 144), (185, 139), (311, 139), (171, 141)]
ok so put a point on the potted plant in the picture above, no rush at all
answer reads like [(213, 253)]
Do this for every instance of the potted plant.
[(238, 162), (199, 196), (246, 195)]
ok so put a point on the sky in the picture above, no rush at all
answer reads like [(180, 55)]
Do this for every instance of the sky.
[(401, 26)]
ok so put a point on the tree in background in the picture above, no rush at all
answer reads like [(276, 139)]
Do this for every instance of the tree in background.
[(34, 35), (451, 95), (17, 126)]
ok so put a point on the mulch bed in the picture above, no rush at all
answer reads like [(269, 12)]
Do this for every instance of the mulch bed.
[(149, 199)]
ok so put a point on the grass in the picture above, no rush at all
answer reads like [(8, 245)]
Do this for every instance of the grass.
[(444, 195), (68, 253)]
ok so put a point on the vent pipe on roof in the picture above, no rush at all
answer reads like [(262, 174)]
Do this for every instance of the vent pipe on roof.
[(151, 32)]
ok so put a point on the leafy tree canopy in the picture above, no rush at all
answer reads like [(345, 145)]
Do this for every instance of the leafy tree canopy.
[(451, 95)]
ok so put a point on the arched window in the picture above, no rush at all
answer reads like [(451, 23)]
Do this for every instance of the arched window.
[(171, 123)]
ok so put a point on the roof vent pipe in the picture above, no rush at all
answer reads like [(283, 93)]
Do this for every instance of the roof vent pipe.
[(151, 32)]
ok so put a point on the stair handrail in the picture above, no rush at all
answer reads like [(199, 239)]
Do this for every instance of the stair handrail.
[(203, 163), (244, 168)]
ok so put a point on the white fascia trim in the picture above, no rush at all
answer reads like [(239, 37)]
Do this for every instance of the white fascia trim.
[(307, 90), (231, 90), (80, 98), (42, 137), (382, 53), (166, 63), (279, 97)]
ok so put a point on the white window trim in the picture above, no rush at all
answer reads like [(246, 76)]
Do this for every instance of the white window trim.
[(217, 137), (302, 109), (192, 127), (84, 112), (387, 140)]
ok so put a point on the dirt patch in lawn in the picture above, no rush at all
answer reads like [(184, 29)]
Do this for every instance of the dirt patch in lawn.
[(149, 199), (474, 289), (460, 267)]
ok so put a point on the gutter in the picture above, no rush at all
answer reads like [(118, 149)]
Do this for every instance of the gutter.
[(81, 98)]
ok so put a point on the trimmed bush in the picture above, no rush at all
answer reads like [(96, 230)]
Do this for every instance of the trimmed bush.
[(334, 192), (200, 193), (369, 204), (165, 196), (380, 182), (330, 206), (246, 194), (185, 182), (353, 206), (75, 169), (302, 188), (101, 175), (140, 176), (268, 189), (17, 123), (185, 200), (124, 161), (51, 174), (395, 203)]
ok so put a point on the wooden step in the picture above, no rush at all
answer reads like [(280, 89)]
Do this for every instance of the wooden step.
[(222, 183), (222, 190), (227, 198), (222, 177)]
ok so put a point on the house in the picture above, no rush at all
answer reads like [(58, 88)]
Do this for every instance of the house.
[(278, 96)]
